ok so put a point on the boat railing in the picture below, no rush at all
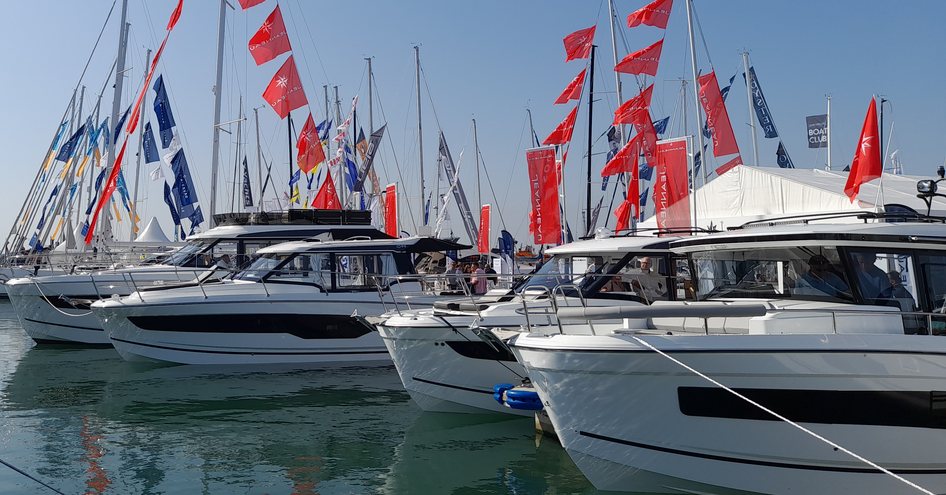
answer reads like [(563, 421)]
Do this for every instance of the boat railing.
[(428, 285), (910, 322)]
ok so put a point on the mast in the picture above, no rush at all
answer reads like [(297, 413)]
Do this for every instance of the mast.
[(591, 99), (141, 126), (69, 214), (236, 160), (218, 94), (476, 153), (370, 98), (533, 137), (420, 134), (117, 99), (340, 183), (289, 147), (259, 158), (328, 144), (696, 97), (828, 130), (755, 139)]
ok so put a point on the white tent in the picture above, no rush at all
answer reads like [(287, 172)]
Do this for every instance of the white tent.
[(744, 194), (153, 234)]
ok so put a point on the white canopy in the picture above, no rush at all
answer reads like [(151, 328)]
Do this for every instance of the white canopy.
[(744, 194), (152, 233)]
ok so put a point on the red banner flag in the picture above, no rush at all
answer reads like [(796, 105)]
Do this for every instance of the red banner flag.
[(543, 184), (327, 197), (390, 210), (717, 118), (271, 40), (656, 14), (625, 160), (631, 204), (482, 244), (731, 164), (111, 182), (642, 61), (573, 90), (250, 3), (578, 44), (648, 135), (671, 186), (563, 133), (867, 164), (285, 92), (625, 113), (309, 147)]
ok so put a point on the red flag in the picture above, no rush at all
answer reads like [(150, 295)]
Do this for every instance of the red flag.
[(867, 164), (543, 184), (656, 14), (648, 135), (578, 44), (563, 133), (631, 204), (327, 197), (285, 92), (250, 3), (731, 164), (573, 90), (625, 160), (623, 215), (482, 244), (175, 15), (642, 61), (390, 210), (624, 114), (270, 40), (309, 147), (717, 118), (671, 186)]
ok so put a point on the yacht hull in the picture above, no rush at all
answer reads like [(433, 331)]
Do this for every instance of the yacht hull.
[(635, 420)]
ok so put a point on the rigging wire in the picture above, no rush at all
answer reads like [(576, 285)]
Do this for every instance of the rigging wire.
[(397, 164)]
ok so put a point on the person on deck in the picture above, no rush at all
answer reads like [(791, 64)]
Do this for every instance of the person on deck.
[(821, 279)]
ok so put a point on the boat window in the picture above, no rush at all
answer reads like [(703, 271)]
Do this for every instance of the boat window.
[(641, 277), (933, 268), (566, 269), (813, 273), (184, 255), (260, 266), (364, 271)]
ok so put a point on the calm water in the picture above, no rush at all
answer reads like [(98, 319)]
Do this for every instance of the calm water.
[(84, 421)]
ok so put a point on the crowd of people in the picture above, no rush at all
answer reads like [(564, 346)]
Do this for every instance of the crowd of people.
[(479, 276)]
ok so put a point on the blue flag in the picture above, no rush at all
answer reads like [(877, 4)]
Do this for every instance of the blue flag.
[(323, 129), (98, 184), (507, 245), (781, 155), (761, 107), (196, 219), (122, 188), (660, 126), (121, 123), (62, 128), (645, 171), (247, 191), (151, 149), (170, 202), (644, 197), (162, 109), (352, 174), (184, 194), (94, 133), (295, 178), (69, 147)]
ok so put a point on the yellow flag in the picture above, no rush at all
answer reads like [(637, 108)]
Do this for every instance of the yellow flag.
[(81, 168)]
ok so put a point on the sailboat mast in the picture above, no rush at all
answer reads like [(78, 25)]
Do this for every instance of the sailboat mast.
[(218, 94), (370, 98), (420, 134), (533, 137), (340, 183), (591, 99), (119, 81), (141, 126), (476, 153), (696, 97), (259, 158), (236, 157), (755, 139), (828, 130)]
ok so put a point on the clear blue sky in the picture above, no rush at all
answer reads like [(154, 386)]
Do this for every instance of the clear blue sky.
[(482, 59)]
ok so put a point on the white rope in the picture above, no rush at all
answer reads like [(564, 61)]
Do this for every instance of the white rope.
[(783, 418), (51, 305)]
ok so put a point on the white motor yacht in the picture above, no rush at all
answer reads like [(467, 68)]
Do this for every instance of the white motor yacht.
[(447, 365), (304, 302), (814, 363), (55, 309)]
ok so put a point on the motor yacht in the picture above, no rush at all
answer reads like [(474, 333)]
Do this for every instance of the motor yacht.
[(813, 363)]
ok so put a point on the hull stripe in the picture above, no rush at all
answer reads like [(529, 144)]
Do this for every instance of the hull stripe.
[(251, 353), (458, 387)]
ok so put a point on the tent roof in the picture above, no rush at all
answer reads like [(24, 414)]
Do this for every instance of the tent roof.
[(153, 233)]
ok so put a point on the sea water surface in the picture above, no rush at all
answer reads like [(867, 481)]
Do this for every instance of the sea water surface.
[(83, 421)]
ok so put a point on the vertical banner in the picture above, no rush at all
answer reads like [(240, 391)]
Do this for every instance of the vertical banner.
[(543, 186), (482, 244), (671, 187), (717, 118), (761, 106), (390, 210), (817, 131)]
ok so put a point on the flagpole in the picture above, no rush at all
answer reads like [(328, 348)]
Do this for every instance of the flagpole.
[(755, 138), (259, 158), (828, 130), (236, 159), (289, 132), (696, 97), (476, 161), (623, 138), (341, 146), (141, 122), (218, 94), (591, 99), (420, 135)]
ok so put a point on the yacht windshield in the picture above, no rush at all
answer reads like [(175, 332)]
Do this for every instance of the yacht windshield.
[(260, 266), (182, 256), (568, 269), (813, 273)]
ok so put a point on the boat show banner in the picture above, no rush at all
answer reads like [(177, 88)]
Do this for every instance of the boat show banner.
[(717, 118), (390, 210), (817, 131), (671, 187), (483, 238), (761, 106), (543, 185)]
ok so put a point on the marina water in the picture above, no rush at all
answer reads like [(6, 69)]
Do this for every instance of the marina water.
[(84, 421)]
